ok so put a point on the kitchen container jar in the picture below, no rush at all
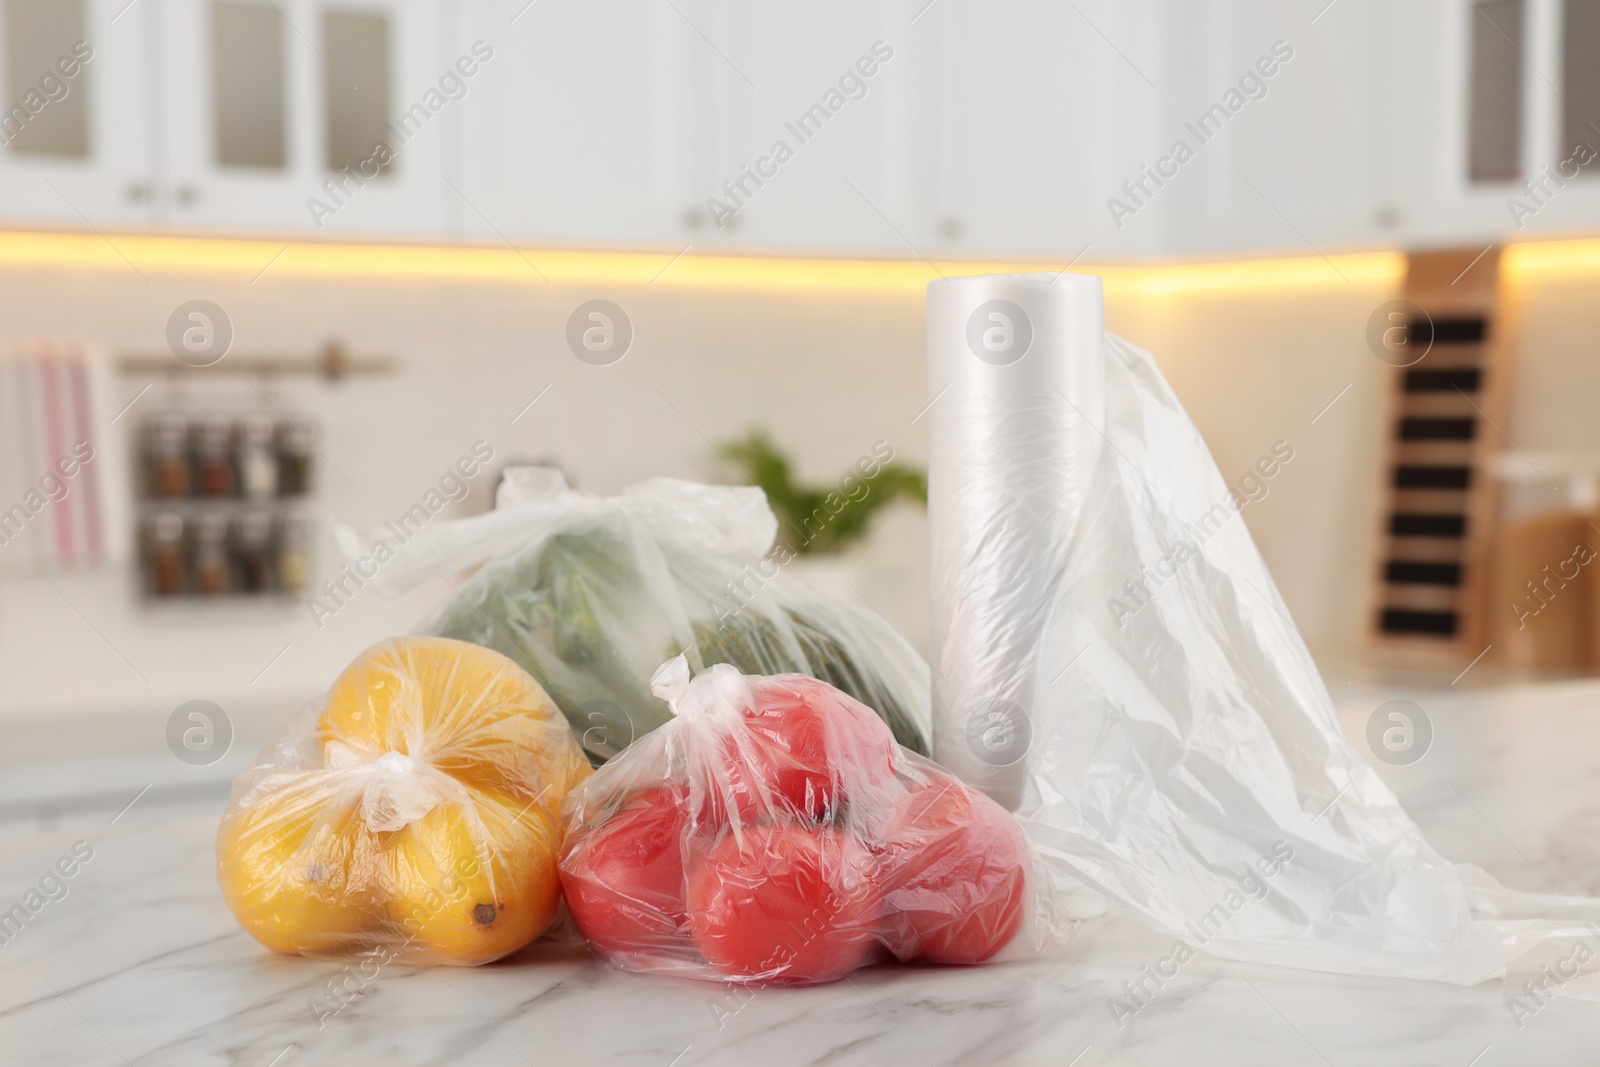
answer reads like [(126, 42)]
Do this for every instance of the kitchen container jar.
[(258, 458), (295, 446), (164, 554), (212, 575), (294, 552), (168, 473), (214, 456), (253, 554)]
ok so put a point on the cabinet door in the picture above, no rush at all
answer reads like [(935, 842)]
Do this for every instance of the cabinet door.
[(75, 125), (571, 130), (1501, 72), (1025, 116), (298, 115), (903, 127), (1291, 129), (800, 130)]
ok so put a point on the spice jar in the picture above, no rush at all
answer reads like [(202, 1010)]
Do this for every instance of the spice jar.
[(258, 458), (294, 553), (294, 456), (211, 577), (254, 552), (168, 457), (214, 456), (164, 554)]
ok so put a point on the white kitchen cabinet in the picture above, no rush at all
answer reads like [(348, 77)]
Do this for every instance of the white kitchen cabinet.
[(1363, 137), (306, 163), (426, 90), (1029, 114), (1011, 129), (977, 130), (1301, 158), (98, 171), (645, 122), (1442, 203), (800, 129), (264, 185), (163, 148), (574, 130)]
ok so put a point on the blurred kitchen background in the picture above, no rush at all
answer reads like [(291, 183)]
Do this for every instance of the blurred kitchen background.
[(267, 264)]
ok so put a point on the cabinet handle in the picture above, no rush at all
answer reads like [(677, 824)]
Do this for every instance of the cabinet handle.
[(138, 192), (188, 196), (695, 219)]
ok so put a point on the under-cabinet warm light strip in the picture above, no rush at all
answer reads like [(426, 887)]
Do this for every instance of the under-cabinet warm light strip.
[(1574, 256), (248, 258)]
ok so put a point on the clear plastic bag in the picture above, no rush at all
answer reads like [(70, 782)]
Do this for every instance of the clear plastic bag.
[(412, 816), (1178, 749), (589, 594), (774, 833)]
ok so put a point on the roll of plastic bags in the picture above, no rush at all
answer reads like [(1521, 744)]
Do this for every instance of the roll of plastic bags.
[(590, 594), (1161, 726), (1008, 477)]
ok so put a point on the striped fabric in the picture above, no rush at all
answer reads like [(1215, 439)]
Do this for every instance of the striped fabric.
[(57, 458)]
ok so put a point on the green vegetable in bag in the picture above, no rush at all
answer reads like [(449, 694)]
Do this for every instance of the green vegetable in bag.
[(593, 604)]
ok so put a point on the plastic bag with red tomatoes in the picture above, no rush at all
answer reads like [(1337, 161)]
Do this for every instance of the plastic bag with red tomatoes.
[(773, 832)]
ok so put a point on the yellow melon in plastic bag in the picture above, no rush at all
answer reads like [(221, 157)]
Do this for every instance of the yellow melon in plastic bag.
[(464, 906), (416, 819), (292, 875)]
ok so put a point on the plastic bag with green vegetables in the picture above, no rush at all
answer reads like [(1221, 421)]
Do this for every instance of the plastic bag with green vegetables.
[(590, 594)]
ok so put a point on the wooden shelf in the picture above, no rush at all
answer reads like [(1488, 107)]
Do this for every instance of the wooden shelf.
[(333, 363), (1430, 582)]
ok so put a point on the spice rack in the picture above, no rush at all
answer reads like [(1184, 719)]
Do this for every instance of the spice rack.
[(223, 504), (224, 497)]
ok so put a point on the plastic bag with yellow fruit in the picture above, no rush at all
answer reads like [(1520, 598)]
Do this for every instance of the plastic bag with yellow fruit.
[(411, 817)]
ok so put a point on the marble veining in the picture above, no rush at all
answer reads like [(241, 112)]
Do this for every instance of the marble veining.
[(140, 962)]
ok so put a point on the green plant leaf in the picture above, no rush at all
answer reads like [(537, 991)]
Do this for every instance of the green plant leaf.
[(820, 519)]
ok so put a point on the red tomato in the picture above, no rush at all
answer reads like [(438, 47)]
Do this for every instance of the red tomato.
[(811, 745), (624, 880), (953, 875), (788, 906)]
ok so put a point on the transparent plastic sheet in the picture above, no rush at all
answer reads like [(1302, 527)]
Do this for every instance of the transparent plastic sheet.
[(774, 833), (1175, 747), (411, 816), (590, 594)]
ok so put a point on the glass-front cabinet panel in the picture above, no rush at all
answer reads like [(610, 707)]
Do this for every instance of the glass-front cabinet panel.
[(249, 87), (74, 144), (280, 116)]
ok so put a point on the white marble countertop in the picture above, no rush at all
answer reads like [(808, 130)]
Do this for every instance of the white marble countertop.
[(140, 963)]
